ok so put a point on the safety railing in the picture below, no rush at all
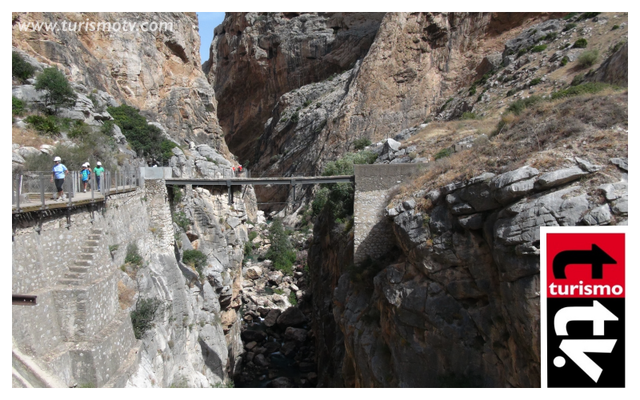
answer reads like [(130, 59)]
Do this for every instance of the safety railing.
[(37, 189)]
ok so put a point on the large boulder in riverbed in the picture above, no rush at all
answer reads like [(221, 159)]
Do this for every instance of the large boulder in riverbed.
[(291, 317)]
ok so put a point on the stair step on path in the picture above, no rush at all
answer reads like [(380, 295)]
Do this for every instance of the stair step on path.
[(79, 269)]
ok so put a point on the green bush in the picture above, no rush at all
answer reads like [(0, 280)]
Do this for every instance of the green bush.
[(570, 26), (511, 92), (534, 82), (361, 143), (538, 49), (78, 129), (293, 299), (578, 79), (584, 88), (443, 153), (21, 69), (165, 148), (58, 91), (522, 52), (344, 165), (180, 218), (281, 251), (588, 58), (468, 115), (252, 235), (93, 147), (616, 47), (194, 258), (613, 28), (145, 139), (177, 194), (319, 201), (107, 128), (133, 255), (580, 43), (142, 316), (570, 15), (473, 90), (564, 61), (295, 118), (17, 106), (520, 105), (551, 36), (45, 125), (588, 15)]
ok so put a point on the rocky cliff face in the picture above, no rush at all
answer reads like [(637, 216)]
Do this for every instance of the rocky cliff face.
[(457, 303), (257, 57), (158, 72), (195, 338), (281, 101)]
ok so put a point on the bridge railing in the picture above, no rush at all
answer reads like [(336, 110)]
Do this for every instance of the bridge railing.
[(36, 188)]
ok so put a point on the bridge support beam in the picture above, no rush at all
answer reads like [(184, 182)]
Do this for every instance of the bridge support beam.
[(230, 192)]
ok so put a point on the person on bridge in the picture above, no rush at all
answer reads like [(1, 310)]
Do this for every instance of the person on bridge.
[(58, 173), (86, 174), (98, 170)]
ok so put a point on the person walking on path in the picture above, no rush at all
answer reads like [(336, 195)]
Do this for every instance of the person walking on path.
[(86, 174), (98, 170), (58, 173)]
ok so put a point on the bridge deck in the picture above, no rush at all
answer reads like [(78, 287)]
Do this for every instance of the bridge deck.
[(292, 180), (78, 200)]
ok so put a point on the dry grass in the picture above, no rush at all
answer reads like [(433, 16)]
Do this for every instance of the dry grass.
[(125, 295), (546, 136), (28, 137)]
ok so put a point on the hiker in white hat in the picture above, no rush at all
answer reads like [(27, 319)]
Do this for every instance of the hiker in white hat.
[(98, 170), (86, 174), (58, 173)]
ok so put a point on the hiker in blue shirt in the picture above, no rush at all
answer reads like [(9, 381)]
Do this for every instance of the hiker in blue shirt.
[(58, 173), (86, 174), (98, 170)]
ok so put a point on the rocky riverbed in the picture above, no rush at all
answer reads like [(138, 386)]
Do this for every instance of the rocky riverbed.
[(278, 342)]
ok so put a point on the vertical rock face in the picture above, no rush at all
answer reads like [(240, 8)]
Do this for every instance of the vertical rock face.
[(157, 71), (457, 304), (257, 57), (283, 110)]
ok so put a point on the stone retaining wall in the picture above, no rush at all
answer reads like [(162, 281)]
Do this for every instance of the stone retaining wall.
[(373, 235)]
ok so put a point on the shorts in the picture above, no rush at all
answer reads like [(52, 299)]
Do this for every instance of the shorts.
[(59, 183)]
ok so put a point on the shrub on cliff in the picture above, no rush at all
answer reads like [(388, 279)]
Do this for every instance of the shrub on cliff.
[(281, 251), (588, 58), (145, 139), (58, 91), (339, 196), (142, 316), (361, 143), (21, 69)]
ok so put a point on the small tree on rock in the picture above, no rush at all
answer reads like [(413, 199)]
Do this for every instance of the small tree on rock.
[(58, 91)]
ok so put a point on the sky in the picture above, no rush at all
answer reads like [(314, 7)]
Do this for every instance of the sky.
[(207, 22)]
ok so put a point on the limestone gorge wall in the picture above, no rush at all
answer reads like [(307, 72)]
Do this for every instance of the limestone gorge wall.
[(296, 89), (81, 332), (158, 72), (456, 304)]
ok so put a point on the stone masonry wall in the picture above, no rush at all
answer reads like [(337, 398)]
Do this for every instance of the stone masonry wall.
[(373, 235), (71, 331)]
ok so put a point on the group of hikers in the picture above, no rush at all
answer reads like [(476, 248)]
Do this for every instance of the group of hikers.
[(59, 172)]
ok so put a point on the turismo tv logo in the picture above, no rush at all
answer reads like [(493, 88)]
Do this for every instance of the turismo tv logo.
[(585, 309)]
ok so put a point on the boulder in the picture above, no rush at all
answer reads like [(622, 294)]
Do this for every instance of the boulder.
[(559, 177), (296, 334), (261, 360), (292, 316), (272, 317), (598, 216), (253, 336), (253, 273)]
